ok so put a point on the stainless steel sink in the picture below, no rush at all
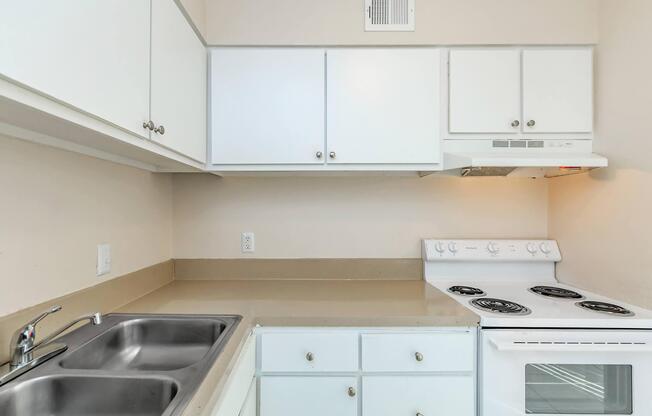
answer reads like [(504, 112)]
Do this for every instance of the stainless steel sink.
[(127, 365), (151, 344), (82, 396)]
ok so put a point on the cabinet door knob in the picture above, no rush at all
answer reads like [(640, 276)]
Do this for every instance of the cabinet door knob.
[(319, 155), (516, 123), (531, 123), (332, 155), (418, 356), (148, 125), (419, 414), (351, 392), (310, 356), (160, 130)]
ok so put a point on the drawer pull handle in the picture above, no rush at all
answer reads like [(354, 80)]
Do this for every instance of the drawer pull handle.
[(310, 357), (418, 356), (419, 414), (351, 392)]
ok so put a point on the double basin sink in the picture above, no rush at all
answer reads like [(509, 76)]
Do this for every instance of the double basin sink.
[(141, 365)]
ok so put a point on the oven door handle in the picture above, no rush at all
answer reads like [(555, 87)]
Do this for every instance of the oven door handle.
[(545, 346)]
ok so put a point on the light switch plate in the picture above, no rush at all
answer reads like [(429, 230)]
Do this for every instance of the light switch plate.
[(103, 259)]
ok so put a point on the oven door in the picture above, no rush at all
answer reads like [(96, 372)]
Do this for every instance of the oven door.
[(565, 372)]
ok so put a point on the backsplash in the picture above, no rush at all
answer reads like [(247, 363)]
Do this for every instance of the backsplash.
[(348, 217)]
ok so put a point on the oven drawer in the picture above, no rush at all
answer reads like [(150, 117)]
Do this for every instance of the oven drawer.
[(418, 352), (309, 352), (452, 395)]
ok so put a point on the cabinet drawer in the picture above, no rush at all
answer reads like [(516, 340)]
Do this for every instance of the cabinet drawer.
[(426, 395), (310, 396), (435, 351), (304, 352)]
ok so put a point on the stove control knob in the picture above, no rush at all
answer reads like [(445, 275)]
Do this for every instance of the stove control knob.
[(531, 248), (493, 248), (545, 248), (439, 247), (452, 247)]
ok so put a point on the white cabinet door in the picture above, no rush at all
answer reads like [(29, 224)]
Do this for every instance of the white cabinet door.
[(178, 82), (89, 54), (267, 106), (383, 105), (484, 90), (558, 90), (314, 396), (249, 407), (449, 395)]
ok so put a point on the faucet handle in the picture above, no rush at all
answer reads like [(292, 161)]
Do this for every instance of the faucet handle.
[(39, 318)]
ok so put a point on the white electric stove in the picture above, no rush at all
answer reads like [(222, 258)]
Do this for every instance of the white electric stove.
[(544, 347)]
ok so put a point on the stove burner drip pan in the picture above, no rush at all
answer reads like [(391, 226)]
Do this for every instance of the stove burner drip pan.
[(500, 306), (466, 291), (604, 307), (556, 292)]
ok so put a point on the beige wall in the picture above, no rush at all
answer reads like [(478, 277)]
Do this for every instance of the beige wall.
[(341, 22), (348, 217), (56, 206), (196, 9), (603, 221)]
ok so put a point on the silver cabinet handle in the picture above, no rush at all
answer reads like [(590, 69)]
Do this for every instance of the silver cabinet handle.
[(531, 123), (160, 130), (351, 392), (419, 414), (310, 356), (149, 125), (418, 356), (332, 155), (516, 123), (318, 155)]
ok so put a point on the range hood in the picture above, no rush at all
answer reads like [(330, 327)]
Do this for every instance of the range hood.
[(524, 158)]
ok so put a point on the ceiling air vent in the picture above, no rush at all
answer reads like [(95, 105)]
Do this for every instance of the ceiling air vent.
[(389, 15)]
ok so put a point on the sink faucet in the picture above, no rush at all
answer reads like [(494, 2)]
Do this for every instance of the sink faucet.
[(22, 342)]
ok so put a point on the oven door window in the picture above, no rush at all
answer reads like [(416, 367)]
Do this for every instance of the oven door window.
[(577, 389)]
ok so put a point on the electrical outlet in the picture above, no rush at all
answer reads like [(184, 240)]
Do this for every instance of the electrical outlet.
[(103, 259), (247, 242)]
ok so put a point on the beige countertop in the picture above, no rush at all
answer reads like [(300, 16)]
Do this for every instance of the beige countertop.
[(299, 303)]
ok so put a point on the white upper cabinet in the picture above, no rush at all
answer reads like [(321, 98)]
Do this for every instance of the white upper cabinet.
[(558, 90), (383, 106), (484, 90), (89, 54), (267, 105), (178, 77)]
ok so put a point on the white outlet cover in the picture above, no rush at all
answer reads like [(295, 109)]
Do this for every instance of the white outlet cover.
[(103, 259), (247, 242)]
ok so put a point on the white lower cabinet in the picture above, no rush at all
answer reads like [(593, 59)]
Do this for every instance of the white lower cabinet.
[(249, 408), (366, 372), (235, 398), (314, 396), (445, 395), (309, 352), (434, 351)]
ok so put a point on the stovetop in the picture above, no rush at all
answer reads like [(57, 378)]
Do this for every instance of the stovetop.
[(512, 284), (545, 311)]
